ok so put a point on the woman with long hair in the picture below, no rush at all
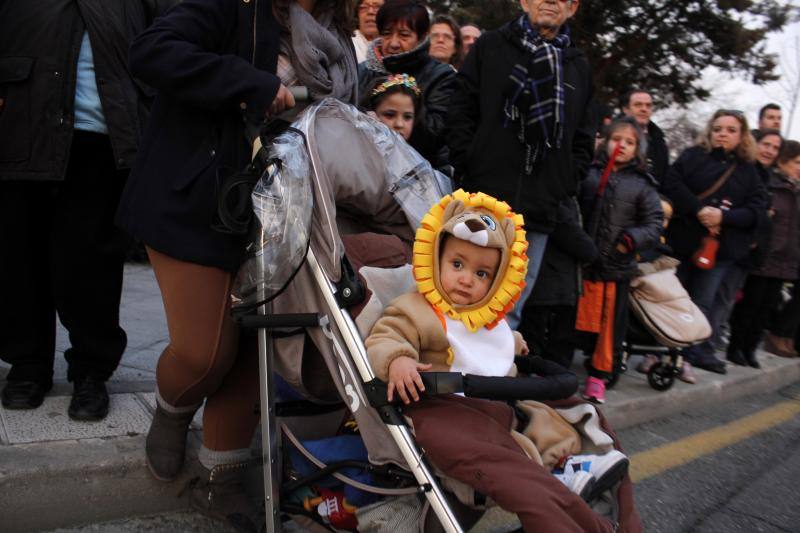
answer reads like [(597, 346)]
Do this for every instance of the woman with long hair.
[(446, 44), (717, 193)]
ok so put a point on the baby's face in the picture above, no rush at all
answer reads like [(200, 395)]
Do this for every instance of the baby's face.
[(466, 270)]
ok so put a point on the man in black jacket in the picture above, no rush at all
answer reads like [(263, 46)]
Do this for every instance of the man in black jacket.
[(70, 122), (519, 123), (638, 103)]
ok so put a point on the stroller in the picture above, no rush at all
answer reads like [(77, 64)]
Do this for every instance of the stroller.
[(333, 173), (663, 320)]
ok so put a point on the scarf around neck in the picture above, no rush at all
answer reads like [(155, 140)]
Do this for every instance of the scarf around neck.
[(536, 103), (321, 56)]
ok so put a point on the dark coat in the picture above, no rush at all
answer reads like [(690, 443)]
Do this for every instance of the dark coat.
[(489, 157), (783, 258), (568, 248), (436, 81), (39, 46), (630, 206), (657, 152), (210, 76), (762, 233), (693, 173)]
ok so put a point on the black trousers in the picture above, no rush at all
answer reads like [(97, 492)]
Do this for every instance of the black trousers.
[(61, 253), (751, 313), (549, 331), (787, 322)]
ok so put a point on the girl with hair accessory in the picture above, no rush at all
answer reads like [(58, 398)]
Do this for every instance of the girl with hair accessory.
[(623, 215), (394, 101)]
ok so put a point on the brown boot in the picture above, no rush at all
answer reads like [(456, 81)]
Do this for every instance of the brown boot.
[(165, 446), (782, 346), (219, 493)]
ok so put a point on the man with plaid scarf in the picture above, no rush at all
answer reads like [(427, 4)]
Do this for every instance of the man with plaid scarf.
[(519, 124)]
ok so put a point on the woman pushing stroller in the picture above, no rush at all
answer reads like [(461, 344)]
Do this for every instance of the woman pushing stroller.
[(469, 265)]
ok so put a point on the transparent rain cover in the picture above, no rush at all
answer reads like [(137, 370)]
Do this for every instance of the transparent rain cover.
[(282, 207), (411, 180)]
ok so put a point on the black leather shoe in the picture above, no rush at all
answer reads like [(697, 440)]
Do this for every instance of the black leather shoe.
[(89, 399), (750, 357), (24, 394), (736, 357), (712, 364)]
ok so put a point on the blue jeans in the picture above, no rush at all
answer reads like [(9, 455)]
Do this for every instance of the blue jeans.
[(703, 286), (536, 245)]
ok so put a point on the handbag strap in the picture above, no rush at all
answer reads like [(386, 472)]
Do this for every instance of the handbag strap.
[(717, 184)]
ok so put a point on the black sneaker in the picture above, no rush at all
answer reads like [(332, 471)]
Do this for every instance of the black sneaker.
[(89, 399), (24, 394)]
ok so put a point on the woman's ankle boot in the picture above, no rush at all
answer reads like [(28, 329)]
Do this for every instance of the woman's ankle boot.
[(219, 493), (165, 446)]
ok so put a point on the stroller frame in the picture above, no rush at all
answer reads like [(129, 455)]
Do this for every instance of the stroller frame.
[(270, 432)]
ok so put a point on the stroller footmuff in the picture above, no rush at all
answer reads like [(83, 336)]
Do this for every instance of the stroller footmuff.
[(664, 320), (361, 179)]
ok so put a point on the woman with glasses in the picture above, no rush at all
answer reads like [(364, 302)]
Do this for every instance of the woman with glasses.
[(367, 30), (716, 192), (402, 48), (446, 45)]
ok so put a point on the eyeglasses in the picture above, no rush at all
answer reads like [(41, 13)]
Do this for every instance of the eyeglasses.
[(370, 7), (443, 36)]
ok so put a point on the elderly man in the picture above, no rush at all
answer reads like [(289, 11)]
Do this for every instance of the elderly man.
[(367, 28), (469, 34), (519, 124), (769, 117), (638, 103)]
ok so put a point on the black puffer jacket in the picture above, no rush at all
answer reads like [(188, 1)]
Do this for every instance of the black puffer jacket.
[(39, 46), (435, 80), (629, 206), (657, 152), (693, 173), (489, 157), (568, 248)]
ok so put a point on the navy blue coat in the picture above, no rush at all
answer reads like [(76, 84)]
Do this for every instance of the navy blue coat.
[(693, 173), (213, 64)]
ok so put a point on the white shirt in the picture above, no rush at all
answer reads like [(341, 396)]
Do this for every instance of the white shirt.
[(486, 352)]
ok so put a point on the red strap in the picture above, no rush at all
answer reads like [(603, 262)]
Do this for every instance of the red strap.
[(607, 171)]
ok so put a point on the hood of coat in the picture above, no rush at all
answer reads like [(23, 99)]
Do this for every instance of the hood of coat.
[(486, 222), (408, 62)]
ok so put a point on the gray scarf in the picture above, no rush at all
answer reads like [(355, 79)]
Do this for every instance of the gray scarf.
[(322, 57)]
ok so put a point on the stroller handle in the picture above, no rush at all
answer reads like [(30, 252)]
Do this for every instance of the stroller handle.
[(300, 93)]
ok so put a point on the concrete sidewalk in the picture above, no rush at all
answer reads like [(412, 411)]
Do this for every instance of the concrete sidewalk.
[(59, 473)]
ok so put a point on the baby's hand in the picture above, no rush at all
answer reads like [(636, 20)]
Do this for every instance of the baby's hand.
[(405, 379), (524, 350)]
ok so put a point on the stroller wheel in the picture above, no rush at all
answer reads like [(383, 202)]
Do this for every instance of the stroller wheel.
[(661, 376)]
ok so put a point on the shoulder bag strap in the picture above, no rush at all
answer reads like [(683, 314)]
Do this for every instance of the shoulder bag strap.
[(717, 184)]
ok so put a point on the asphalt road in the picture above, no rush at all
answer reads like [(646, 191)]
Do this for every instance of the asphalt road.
[(728, 469), (748, 486)]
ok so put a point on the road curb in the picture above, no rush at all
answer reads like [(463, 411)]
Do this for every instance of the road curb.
[(710, 390)]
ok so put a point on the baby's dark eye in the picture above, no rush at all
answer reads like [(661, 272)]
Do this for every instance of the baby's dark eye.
[(457, 263), (482, 274)]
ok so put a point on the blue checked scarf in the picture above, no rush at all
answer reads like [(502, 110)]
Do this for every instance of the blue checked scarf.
[(537, 99)]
